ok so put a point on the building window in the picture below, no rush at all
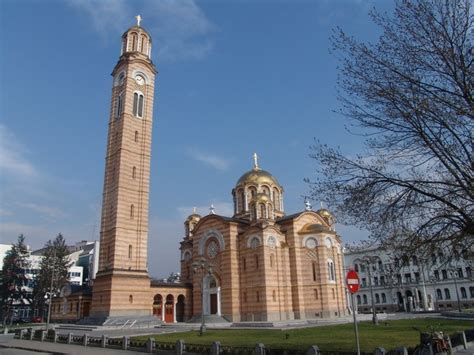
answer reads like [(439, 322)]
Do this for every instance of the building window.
[(119, 105), (316, 295), (256, 262), (314, 271), (274, 296), (445, 274), (136, 136), (365, 299), (468, 272), (271, 260), (359, 301), (384, 298), (132, 211), (436, 274), (463, 292), (447, 294), (377, 298), (439, 295), (258, 296), (471, 291), (129, 251), (331, 273), (138, 104), (134, 172), (356, 267), (460, 273), (130, 299)]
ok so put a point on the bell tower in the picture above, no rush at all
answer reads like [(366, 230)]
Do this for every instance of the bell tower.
[(121, 287)]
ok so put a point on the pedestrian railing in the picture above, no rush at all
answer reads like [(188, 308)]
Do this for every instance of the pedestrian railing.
[(460, 340)]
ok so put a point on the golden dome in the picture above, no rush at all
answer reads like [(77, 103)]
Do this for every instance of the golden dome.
[(257, 177), (326, 215)]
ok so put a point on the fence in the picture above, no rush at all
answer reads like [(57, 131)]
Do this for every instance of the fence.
[(460, 340)]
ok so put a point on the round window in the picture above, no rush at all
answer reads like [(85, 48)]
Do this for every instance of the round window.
[(212, 249), (311, 243)]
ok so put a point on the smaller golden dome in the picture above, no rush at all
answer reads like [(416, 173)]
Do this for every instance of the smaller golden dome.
[(326, 214)]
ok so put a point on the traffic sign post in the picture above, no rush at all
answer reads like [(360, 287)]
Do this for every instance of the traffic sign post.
[(353, 284)]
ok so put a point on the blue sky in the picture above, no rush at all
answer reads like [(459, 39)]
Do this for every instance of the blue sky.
[(235, 77)]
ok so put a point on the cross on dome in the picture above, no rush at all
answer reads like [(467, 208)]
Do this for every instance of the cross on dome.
[(139, 19), (307, 205), (255, 161)]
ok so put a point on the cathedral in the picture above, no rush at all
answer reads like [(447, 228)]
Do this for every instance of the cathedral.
[(257, 265), (260, 264)]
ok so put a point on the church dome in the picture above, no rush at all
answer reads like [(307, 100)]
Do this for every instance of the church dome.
[(327, 216), (257, 176)]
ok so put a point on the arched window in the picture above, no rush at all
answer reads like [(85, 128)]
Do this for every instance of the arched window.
[(331, 272), (359, 301), (377, 298), (119, 105), (130, 251), (384, 298), (471, 291), (134, 172), (263, 213), (132, 211), (356, 267), (447, 294), (276, 199), (316, 295), (271, 260), (138, 104), (136, 136), (134, 41), (314, 271), (242, 203), (463, 292), (439, 295), (365, 299)]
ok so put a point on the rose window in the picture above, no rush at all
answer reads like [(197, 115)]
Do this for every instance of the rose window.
[(311, 243), (212, 249)]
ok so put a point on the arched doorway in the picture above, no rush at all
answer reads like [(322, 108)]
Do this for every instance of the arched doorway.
[(421, 301), (401, 304), (180, 309), (410, 301), (158, 306), (169, 309), (212, 296)]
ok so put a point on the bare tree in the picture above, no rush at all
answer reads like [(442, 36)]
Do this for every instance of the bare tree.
[(411, 96)]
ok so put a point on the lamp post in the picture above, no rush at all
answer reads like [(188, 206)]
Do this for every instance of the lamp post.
[(368, 261), (454, 274), (204, 266), (51, 291)]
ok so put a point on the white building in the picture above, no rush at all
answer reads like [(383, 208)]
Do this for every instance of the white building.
[(438, 283)]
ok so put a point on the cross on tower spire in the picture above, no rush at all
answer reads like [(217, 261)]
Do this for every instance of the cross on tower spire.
[(139, 19)]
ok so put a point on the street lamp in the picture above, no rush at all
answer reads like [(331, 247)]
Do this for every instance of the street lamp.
[(368, 261), (203, 266)]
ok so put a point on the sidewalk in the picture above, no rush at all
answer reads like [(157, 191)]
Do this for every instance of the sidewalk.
[(7, 341)]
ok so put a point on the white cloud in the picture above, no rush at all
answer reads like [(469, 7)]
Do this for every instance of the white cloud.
[(12, 156), (180, 29), (106, 15), (44, 210), (210, 159)]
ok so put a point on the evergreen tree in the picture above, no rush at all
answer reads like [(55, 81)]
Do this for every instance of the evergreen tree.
[(53, 273), (13, 288)]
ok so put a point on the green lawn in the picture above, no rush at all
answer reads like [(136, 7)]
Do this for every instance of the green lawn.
[(389, 334)]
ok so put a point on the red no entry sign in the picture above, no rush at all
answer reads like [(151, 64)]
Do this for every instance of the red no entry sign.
[(352, 281)]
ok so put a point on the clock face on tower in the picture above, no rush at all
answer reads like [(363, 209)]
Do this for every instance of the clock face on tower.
[(140, 80)]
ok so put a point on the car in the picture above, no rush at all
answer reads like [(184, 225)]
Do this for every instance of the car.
[(37, 320)]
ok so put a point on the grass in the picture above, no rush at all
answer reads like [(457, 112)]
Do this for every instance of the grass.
[(389, 334)]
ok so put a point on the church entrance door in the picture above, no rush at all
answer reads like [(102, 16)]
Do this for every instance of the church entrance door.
[(169, 309), (213, 297)]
